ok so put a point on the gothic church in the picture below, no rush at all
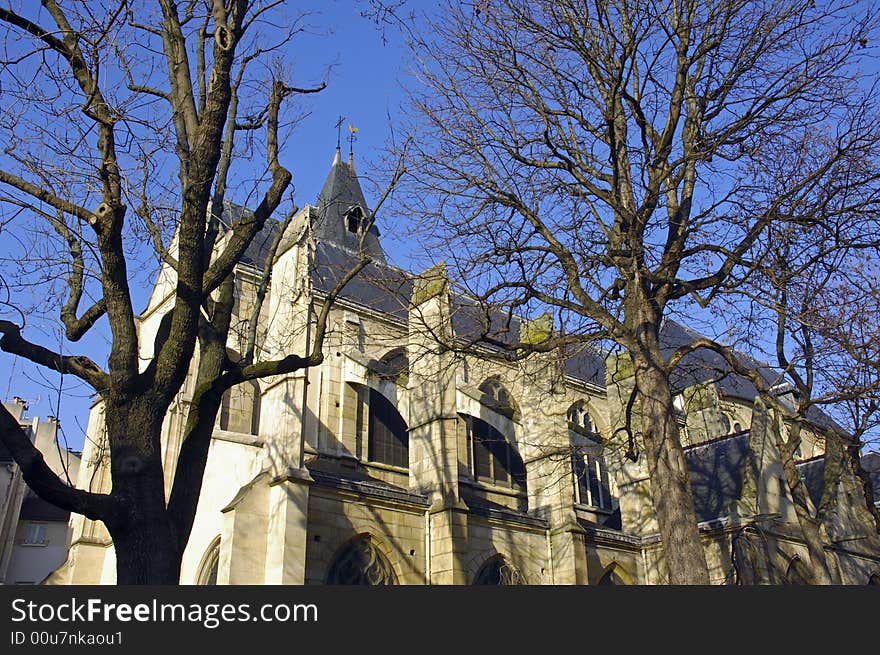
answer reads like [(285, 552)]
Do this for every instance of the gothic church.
[(393, 463)]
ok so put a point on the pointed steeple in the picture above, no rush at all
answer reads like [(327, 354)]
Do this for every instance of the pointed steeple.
[(343, 209)]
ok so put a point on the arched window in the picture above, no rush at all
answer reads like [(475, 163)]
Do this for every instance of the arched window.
[(498, 571), (729, 425), (592, 484), (579, 418), (394, 365), (610, 577), (497, 397), (388, 436), (797, 573), (360, 563), (591, 479), (240, 408), (210, 564), (494, 459)]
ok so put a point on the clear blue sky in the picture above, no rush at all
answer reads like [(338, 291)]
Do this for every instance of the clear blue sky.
[(364, 79), (363, 84)]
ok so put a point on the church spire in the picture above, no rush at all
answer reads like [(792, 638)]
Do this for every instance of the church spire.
[(343, 209)]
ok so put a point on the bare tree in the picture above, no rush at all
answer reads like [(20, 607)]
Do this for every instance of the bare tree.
[(812, 304), (141, 123), (790, 312), (608, 161)]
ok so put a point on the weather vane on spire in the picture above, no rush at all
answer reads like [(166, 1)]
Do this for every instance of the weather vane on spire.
[(351, 138)]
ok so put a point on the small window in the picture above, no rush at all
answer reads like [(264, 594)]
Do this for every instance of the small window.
[(35, 535), (240, 409), (394, 366)]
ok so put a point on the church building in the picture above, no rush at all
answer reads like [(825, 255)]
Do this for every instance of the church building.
[(397, 463)]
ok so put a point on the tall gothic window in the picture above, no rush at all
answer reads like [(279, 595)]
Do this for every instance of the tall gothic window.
[(588, 465), (388, 438), (494, 458), (591, 476), (361, 563)]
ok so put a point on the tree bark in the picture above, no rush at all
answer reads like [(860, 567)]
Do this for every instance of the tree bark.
[(670, 487), (147, 549), (810, 526)]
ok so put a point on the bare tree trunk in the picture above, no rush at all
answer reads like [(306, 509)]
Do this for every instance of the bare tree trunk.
[(810, 526), (670, 487), (147, 548)]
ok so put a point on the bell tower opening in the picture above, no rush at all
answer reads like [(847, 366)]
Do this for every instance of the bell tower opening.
[(354, 218)]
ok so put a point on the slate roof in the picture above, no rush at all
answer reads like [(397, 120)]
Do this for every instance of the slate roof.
[(716, 470), (812, 472), (378, 286), (329, 472), (258, 249), (585, 364), (705, 365), (387, 289)]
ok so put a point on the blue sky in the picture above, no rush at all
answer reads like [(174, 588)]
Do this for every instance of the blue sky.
[(363, 74)]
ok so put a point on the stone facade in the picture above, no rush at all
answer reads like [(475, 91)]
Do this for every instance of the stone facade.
[(399, 462)]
